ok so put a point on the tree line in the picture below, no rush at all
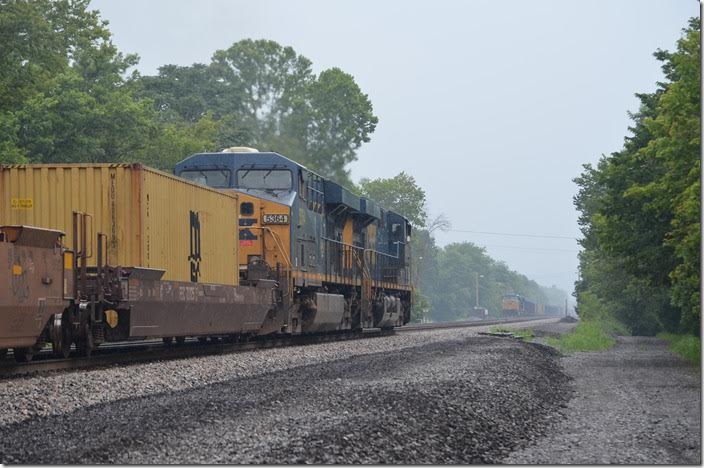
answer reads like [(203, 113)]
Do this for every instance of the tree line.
[(67, 95), (640, 208)]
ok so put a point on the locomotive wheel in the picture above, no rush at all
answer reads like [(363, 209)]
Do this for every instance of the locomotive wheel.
[(24, 354), (180, 340), (168, 340)]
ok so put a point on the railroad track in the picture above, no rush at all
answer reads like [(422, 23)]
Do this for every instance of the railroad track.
[(155, 350), (468, 323)]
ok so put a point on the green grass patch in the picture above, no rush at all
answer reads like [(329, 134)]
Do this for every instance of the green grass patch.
[(525, 333), (686, 346), (587, 336)]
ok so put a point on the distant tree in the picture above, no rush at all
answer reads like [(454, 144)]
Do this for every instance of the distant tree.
[(454, 293), (421, 307), (176, 139), (340, 118), (444, 277), (189, 93), (400, 194)]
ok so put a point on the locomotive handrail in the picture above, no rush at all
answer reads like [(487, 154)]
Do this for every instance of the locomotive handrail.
[(277, 241), (368, 250), (342, 243)]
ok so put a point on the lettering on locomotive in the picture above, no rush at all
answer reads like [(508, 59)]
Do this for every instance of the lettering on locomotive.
[(276, 219)]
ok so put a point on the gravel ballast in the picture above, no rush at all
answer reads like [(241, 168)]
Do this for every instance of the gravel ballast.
[(443, 396), (635, 403), (439, 396)]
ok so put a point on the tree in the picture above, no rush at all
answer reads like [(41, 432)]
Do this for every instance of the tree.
[(265, 95), (400, 194), (177, 139), (454, 293), (443, 278), (640, 208), (62, 87), (189, 93), (340, 119)]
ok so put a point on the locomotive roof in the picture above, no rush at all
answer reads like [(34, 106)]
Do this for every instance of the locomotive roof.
[(265, 159)]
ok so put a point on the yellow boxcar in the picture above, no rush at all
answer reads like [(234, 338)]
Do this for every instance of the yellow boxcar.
[(151, 219)]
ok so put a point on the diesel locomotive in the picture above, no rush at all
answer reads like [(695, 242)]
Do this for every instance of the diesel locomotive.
[(236, 243), (515, 305)]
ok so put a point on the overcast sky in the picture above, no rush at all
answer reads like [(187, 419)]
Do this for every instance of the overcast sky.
[(493, 106)]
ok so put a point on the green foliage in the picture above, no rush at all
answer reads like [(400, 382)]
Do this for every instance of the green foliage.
[(452, 289), (687, 346), (66, 96), (587, 336), (640, 209), (265, 95), (178, 139), (421, 307), (64, 91), (339, 119), (400, 194), (76, 121)]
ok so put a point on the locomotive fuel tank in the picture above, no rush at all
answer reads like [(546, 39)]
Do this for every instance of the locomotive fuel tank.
[(328, 312)]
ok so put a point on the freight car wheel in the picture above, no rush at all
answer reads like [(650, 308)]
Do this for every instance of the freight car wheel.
[(180, 340), (168, 340), (61, 337), (202, 339), (3, 353), (24, 354)]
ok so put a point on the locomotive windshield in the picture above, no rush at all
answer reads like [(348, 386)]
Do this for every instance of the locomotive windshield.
[(219, 178), (264, 179)]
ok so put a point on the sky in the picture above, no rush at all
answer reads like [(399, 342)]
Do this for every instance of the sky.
[(493, 106)]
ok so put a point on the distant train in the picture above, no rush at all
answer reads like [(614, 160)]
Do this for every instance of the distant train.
[(515, 305)]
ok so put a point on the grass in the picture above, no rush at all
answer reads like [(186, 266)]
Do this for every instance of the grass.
[(587, 336), (525, 333), (687, 346)]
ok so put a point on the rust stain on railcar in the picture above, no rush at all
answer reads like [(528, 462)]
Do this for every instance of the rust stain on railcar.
[(32, 274)]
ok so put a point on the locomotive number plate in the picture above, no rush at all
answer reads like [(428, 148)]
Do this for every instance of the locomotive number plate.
[(275, 219)]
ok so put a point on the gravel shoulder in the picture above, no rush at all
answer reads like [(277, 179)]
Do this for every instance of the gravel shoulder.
[(445, 396), (441, 397), (635, 403)]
